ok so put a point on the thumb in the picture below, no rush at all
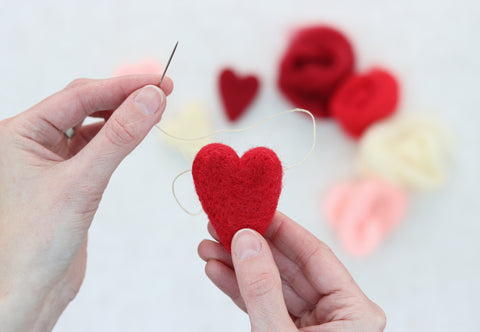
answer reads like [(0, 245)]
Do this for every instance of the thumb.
[(123, 131), (259, 283)]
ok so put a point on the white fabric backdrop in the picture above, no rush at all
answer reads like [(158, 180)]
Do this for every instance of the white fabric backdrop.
[(143, 272)]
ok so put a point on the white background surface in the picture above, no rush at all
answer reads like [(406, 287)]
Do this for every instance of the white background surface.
[(143, 272)]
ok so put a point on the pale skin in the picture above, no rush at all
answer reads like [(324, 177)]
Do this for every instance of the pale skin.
[(51, 187), (288, 280)]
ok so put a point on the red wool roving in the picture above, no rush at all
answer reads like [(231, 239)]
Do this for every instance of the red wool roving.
[(365, 99), (237, 92), (316, 62), (237, 192)]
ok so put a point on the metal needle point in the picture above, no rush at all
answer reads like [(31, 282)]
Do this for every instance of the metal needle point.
[(168, 64)]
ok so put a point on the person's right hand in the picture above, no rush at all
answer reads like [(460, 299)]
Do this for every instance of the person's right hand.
[(289, 281), (51, 186)]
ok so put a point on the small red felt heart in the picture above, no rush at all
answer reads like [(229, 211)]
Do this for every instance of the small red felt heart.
[(237, 192), (237, 92)]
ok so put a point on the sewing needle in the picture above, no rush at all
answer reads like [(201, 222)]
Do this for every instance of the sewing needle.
[(168, 64)]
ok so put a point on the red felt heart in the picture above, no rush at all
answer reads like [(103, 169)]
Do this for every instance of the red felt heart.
[(237, 192), (237, 92)]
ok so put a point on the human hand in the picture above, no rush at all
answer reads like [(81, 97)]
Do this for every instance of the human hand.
[(289, 281), (50, 188)]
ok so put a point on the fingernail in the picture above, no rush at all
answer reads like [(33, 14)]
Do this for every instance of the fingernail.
[(149, 99), (246, 244)]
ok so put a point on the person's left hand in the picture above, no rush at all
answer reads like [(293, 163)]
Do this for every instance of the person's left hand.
[(289, 281), (50, 188)]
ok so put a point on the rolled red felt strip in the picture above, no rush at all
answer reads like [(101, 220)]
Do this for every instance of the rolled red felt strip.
[(316, 62), (365, 99)]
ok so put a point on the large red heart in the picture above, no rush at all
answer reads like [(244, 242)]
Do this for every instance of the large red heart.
[(237, 192), (237, 92)]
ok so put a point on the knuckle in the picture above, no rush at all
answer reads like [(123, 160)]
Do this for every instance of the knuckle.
[(261, 285), (290, 274), (379, 317), (119, 132), (3, 125), (323, 247), (304, 256), (77, 82)]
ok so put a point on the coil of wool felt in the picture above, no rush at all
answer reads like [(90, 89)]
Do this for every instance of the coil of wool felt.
[(364, 212), (192, 120), (316, 62), (412, 151), (237, 192), (363, 100), (237, 92), (144, 67)]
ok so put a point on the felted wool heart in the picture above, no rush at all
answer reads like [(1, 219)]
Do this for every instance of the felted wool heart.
[(236, 92), (315, 63), (235, 192)]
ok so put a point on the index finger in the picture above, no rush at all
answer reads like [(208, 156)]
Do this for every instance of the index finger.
[(69, 107), (314, 258)]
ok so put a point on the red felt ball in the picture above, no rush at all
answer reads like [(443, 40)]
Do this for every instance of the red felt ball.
[(237, 92), (316, 62), (237, 192), (365, 99)]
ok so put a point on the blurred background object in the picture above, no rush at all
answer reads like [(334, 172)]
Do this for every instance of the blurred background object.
[(143, 272)]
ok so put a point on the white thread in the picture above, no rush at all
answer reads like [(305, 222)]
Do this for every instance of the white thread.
[(176, 198), (314, 134), (314, 137)]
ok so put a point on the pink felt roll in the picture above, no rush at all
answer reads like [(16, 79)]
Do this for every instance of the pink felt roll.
[(143, 67), (364, 212)]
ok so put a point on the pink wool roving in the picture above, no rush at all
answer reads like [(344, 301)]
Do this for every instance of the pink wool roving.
[(364, 212), (144, 67)]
